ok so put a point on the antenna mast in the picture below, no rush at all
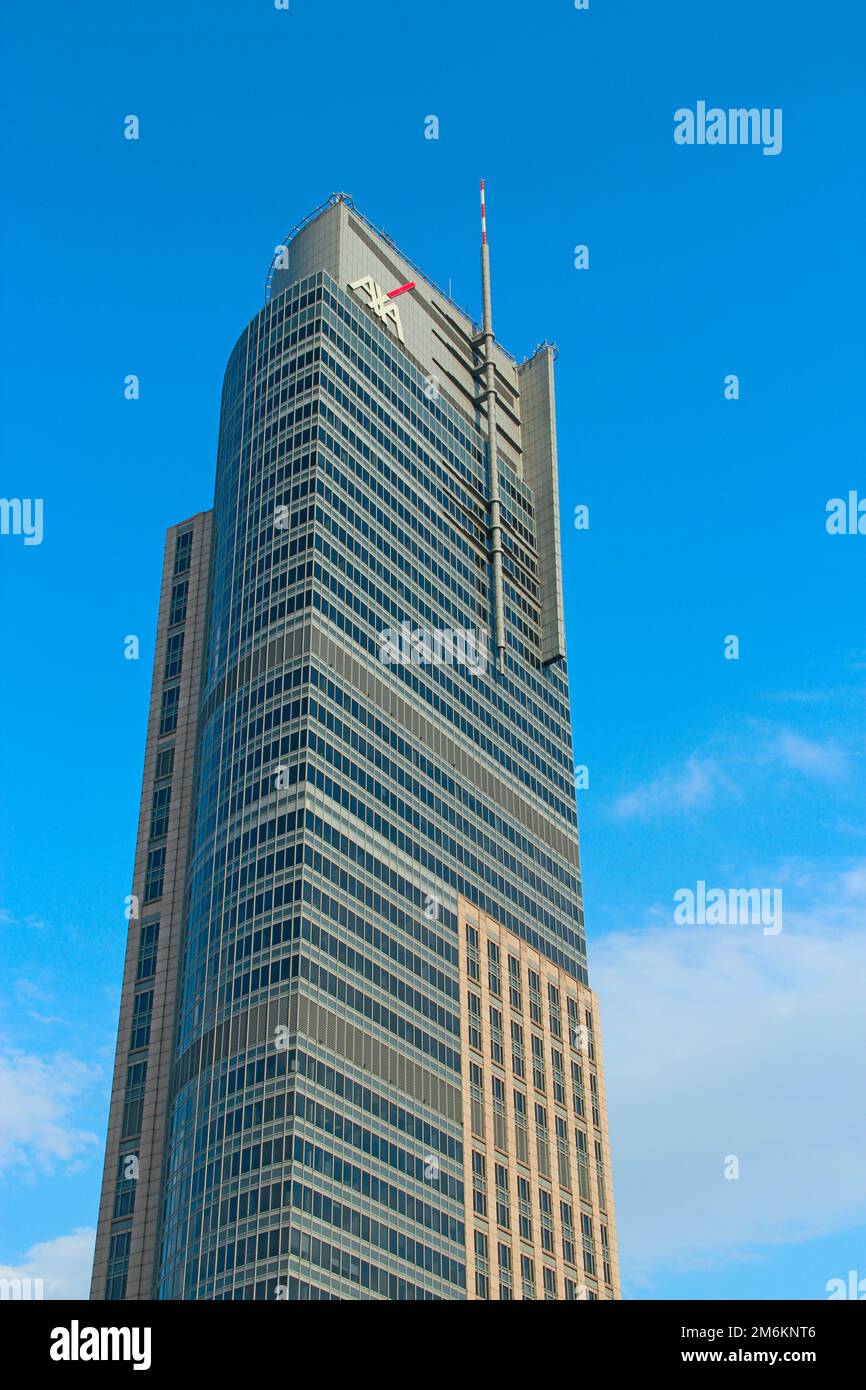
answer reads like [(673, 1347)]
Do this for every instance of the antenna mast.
[(494, 521)]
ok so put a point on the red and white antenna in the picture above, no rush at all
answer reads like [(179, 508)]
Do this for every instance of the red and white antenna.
[(488, 396)]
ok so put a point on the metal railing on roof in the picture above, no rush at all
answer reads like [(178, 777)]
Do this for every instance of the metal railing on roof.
[(305, 221), (544, 346)]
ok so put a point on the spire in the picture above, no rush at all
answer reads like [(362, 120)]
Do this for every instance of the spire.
[(488, 396)]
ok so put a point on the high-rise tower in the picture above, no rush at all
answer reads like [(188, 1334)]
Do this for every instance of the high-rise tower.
[(358, 1056)]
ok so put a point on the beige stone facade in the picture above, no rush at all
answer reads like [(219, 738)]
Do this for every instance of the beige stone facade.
[(137, 1131), (538, 1185)]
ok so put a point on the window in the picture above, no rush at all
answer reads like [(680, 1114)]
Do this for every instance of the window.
[(567, 1216), (164, 762), (545, 1205), (537, 1062), (593, 1098), (153, 878), (542, 1137), (534, 997), (496, 1051), (147, 947), (573, 1023), (479, 1183), (605, 1253), (588, 1243), (518, 1060), (168, 712), (473, 966), (554, 1010), (558, 1068), (521, 1127), (506, 1277), (141, 1015), (582, 1165), (482, 1266), (499, 1117), (549, 1276), (473, 1003), (577, 1089), (599, 1176), (527, 1274), (514, 983), (118, 1262), (159, 812), (177, 610), (503, 1210), (182, 552), (124, 1191), (590, 1036), (524, 1210), (562, 1152), (494, 968), (133, 1098), (476, 1097), (173, 656)]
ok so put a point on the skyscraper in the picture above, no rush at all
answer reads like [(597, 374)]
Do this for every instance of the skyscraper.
[(358, 1056)]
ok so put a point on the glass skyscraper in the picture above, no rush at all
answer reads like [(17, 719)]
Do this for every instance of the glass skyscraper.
[(358, 1056)]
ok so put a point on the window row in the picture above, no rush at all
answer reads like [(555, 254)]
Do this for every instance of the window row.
[(528, 1286)]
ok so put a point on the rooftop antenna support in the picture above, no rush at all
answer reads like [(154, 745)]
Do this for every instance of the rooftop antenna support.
[(494, 520)]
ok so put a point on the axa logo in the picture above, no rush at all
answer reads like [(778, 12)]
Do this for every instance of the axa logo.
[(382, 301)]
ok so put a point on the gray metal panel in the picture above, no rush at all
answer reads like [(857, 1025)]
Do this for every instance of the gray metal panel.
[(540, 469)]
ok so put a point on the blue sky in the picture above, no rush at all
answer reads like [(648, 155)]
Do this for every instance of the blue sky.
[(707, 518)]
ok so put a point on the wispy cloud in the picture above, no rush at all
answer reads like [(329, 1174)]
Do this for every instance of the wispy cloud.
[(29, 991), (731, 766), (823, 760), (723, 1043), (693, 784), (31, 921)]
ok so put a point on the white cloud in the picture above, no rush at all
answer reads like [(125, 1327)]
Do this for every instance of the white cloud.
[(733, 765), (678, 789), (814, 759), (854, 882), (9, 919), (38, 1098), (26, 989), (63, 1265), (722, 1041)]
